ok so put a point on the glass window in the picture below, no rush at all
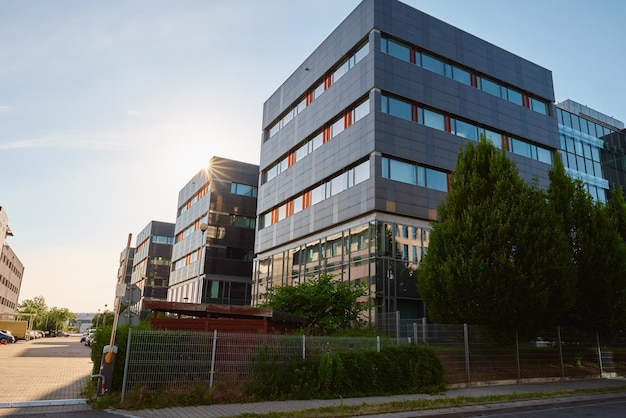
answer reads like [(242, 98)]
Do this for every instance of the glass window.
[(339, 72), (538, 106), (338, 184), (274, 129), (316, 142), (436, 180), (361, 172), (515, 96), (569, 141), (589, 166), (282, 212), (579, 147), (490, 87), (337, 127), (361, 110), (421, 176), (595, 153), (317, 92), (401, 171), (301, 106), (302, 152), (432, 64), (591, 128), (272, 172), (461, 75), (397, 50), (266, 220), (580, 161), (433, 119), (575, 122), (520, 148), (583, 126), (562, 138), (559, 115), (385, 167), (466, 130), (544, 155), (396, 107), (567, 121), (288, 117), (493, 137), (597, 169), (587, 150), (297, 204), (361, 53), (318, 194)]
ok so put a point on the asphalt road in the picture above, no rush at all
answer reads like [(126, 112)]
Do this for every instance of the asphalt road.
[(604, 409)]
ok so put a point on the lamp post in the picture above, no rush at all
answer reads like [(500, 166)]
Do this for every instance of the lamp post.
[(98, 319), (203, 228), (104, 316)]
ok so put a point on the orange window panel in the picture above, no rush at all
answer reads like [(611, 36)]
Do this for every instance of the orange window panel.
[(326, 134), (413, 56), (525, 101), (289, 208), (414, 112), (474, 80), (506, 143), (328, 81), (291, 159), (309, 98), (306, 200), (447, 123), (348, 119)]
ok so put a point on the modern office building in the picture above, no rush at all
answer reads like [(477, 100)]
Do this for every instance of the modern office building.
[(593, 148), (126, 261), (359, 142), (152, 260), (214, 235)]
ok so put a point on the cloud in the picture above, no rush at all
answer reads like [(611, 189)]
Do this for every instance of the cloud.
[(4, 108), (96, 142)]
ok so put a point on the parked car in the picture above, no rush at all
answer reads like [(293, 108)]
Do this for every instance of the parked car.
[(6, 337), (83, 337)]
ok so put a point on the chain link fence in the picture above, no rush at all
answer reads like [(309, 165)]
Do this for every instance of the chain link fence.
[(156, 359)]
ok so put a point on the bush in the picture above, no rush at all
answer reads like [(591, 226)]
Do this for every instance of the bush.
[(395, 370)]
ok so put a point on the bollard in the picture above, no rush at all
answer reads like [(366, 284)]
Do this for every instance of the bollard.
[(100, 386), (107, 365)]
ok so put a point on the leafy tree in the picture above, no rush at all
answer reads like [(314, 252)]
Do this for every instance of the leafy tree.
[(37, 306), (58, 317), (597, 250), (497, 255), (326, 303)]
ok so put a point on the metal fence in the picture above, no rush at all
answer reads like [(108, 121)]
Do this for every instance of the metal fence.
[(176, 358)]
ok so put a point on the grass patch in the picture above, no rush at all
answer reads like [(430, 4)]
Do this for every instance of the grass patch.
[(423, 404)]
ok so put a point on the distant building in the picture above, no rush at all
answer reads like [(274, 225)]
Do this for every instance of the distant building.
[(360, 141), (215, 265), (11, 269), (11, 273), (153, 259), (593, 148)]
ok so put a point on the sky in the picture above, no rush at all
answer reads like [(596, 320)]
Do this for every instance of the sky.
[(109, 107)]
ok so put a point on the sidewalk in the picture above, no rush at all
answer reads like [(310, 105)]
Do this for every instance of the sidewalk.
[(233, 410)]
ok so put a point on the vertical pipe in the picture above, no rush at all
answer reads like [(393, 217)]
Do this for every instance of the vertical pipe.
[(424, 337), (558, 331), (599, 355), (467, 358), (415, 336), (213, 359), (303, 347), (130, 331), (378, 343)]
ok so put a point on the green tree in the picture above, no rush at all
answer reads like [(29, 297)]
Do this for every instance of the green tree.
[(58, 318), (37, 306), (597, 250), (497, 255), (327, 304)]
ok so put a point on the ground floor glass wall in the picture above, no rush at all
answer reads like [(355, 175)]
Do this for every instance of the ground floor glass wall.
[(384, 255)]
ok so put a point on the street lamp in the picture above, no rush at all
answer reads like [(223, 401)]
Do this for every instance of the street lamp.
[(203, 228), (98, 319), (104, 316)]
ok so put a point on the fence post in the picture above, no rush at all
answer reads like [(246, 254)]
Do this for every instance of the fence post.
[(378, 343), (519, 369), (130, 329), (213, 349), (558, 333), (467, 359), (415, 336), (397, 327), (424, 332), (599, 355), (303, 347)]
